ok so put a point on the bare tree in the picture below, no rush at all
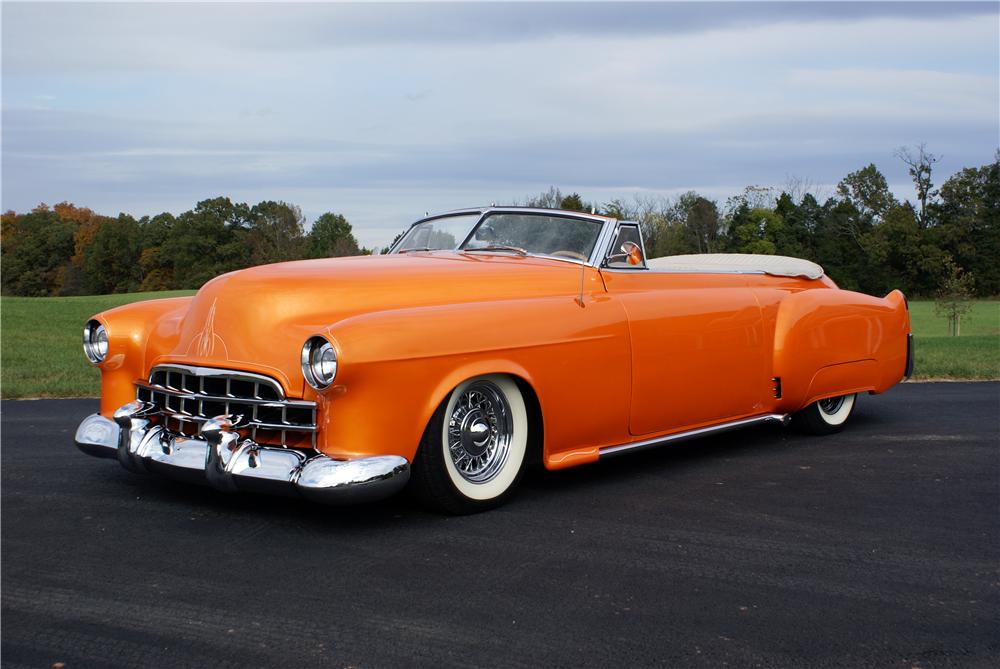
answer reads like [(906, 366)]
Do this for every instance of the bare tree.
[(954, 297), (798, 187), (920, 163), (760, 197), (549, 199)]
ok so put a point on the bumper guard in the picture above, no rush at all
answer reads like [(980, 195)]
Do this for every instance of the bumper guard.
[(221, 459)]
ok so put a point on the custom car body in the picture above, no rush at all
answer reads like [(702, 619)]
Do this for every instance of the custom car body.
[(484, 339)]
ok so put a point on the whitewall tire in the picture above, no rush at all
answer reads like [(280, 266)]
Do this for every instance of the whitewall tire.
[(473, 450), (826, 416)]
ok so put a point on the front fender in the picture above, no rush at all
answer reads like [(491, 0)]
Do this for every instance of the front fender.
[(130, 328), (397, 366)]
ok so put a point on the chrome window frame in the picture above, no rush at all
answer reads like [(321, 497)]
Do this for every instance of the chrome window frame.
[(642, 245)]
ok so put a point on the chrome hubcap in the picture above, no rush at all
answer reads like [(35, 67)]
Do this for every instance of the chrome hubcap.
[(479, 432), (831, 405)]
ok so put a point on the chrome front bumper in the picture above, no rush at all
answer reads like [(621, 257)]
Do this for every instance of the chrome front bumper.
[(223, 460)]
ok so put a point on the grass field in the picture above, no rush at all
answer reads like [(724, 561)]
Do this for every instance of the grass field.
[(41, 353), (974, 355), (40, 343)]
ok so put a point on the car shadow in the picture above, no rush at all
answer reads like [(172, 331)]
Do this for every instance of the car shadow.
[(271, 508), (673, 457), (537, 489)]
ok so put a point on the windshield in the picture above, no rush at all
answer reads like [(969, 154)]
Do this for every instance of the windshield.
[(446, 232), (557, 236)]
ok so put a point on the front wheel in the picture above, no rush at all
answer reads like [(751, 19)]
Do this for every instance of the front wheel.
[(473, 450), (827, 415)]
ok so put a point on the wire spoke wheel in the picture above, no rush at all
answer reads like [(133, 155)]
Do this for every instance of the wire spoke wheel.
[(473, 449), (831, 405), (479, 432)]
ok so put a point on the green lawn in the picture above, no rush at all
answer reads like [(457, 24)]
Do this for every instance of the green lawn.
[(982, 321), (40, 343), (974, 355)]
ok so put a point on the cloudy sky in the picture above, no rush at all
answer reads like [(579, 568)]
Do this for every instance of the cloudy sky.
[(384, 111)]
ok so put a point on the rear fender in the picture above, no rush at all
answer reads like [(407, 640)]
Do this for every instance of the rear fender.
[(834, 342)]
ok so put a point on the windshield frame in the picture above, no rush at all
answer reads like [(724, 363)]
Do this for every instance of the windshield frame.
[(546, 213), (604, 235), (395, 250)]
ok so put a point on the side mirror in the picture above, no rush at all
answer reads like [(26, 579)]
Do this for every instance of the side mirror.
[(632, 252)]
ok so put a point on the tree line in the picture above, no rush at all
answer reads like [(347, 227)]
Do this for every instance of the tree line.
[(69, 250), (864, 237)]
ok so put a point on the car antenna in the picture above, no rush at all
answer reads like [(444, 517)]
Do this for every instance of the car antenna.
[(583, 269)]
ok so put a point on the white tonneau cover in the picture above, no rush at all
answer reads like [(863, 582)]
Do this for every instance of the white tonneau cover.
[(737, 262)]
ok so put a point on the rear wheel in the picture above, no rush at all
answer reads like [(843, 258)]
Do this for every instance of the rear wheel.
[(473, 450), (827, 415)]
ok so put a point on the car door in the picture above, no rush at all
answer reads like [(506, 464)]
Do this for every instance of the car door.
[(697, 343)]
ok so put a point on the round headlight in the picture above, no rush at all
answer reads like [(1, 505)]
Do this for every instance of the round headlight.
[(319, 362), (95, 342)]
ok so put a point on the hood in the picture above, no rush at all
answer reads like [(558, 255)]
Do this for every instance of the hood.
[(258, 318)]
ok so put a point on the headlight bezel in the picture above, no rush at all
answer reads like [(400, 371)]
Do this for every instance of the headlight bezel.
[(95, 341), (316, 362)]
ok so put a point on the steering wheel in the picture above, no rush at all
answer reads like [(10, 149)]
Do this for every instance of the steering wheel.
[(569, 254)]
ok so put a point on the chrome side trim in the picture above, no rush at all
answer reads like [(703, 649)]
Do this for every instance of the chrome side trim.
[(651, 270), (609, 451), (219, 458)]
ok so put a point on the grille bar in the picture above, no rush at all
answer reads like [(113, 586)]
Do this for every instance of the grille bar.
[(242, 400), (188, 396), (217, 382), (247, 423)]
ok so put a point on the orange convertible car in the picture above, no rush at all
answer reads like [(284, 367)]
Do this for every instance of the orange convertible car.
[(484, 339)]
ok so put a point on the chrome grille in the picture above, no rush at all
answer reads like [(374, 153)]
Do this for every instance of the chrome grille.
[(188, 396)]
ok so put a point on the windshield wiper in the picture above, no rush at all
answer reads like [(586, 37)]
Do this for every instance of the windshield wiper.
[(499, 247), (422, 248)]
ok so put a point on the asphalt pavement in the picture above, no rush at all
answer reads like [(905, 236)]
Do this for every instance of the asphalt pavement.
[(877, 547)]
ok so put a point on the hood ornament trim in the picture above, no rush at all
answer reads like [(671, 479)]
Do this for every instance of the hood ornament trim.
[(206, 343)]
